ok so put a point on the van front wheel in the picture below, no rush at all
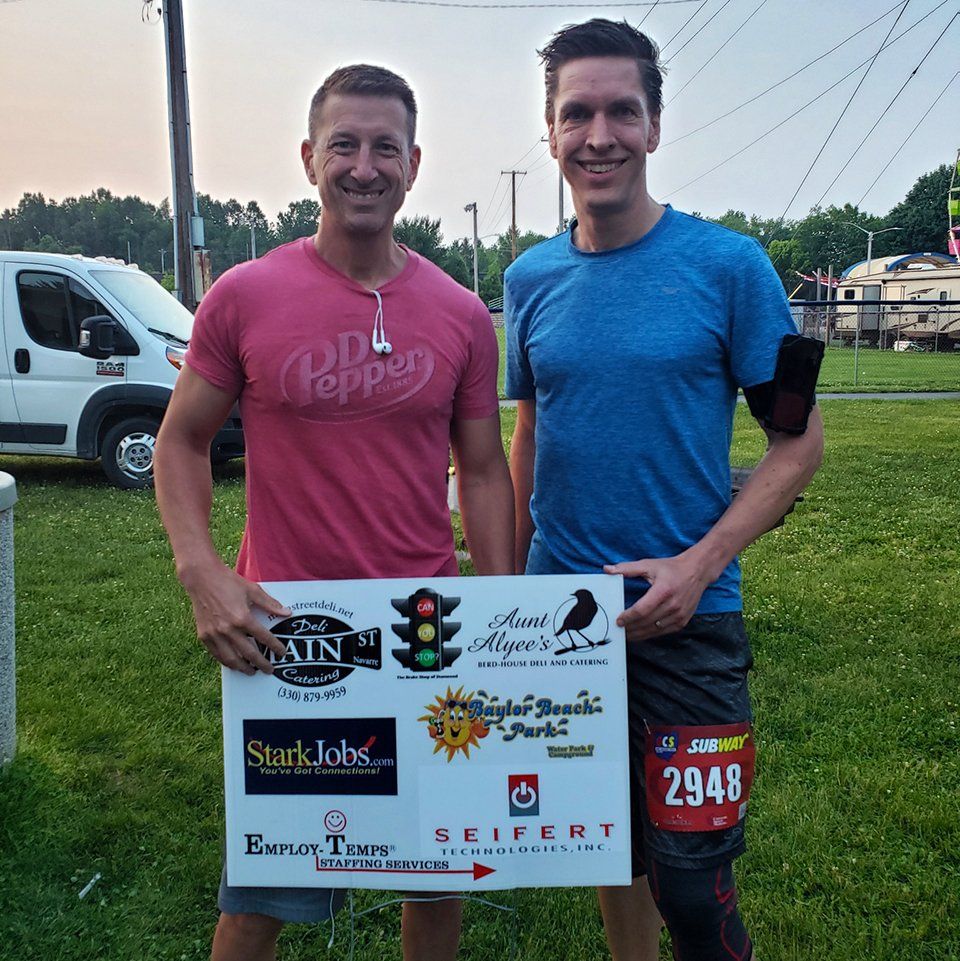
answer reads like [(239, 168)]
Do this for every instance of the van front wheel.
[(127, 453)]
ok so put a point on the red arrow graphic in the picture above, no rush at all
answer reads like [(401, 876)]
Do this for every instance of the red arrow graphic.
[(478, 870)]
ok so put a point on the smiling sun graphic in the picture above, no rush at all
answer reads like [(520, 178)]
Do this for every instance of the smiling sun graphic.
[(449, 723)]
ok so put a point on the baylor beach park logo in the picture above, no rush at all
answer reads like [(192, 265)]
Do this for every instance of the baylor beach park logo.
[(322, 649), (580, 623)]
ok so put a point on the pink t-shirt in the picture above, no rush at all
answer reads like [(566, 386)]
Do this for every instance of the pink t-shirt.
[(346, 450)]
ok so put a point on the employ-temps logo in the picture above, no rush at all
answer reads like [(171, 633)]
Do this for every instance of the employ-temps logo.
[(343, 379), (320, 756), (322, 649)]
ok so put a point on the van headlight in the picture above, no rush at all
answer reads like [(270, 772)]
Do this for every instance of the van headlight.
[(175, 356)]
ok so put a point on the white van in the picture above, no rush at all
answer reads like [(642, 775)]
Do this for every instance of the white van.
[(91, 351)]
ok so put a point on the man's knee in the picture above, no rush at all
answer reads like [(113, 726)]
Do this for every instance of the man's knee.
[(699, 907), (254, 927)]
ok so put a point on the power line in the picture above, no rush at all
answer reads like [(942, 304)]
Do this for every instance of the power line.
[(780, 83), (843, 112), (764, 135), (518, 6), (696, 33), (719, 49), (809, 103), (490, 220), (885, 110), (684, 27), (906, 139), (488, 206), (543, 159), (536, 144), (647, 14)]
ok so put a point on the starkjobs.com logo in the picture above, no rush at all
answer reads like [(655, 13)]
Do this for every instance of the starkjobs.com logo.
[(320, 756)]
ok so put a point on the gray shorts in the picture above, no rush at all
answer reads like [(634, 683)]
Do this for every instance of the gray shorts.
[(284, 904), (697, 676)]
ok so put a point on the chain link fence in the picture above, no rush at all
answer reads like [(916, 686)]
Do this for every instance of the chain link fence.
[(892, 345)]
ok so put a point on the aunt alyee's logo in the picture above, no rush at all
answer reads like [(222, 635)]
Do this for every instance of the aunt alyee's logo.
[(345, 379), (322, 650)]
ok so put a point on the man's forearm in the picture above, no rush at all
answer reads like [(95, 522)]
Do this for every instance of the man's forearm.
[(184, 497), (486, 506), (522, 455), (785, 470)]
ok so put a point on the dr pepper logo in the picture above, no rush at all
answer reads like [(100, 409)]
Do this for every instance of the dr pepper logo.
[(321, 650), (344, 379)]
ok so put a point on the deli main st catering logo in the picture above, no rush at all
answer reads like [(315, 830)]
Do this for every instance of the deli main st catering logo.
[(321, 648), (320, 756)]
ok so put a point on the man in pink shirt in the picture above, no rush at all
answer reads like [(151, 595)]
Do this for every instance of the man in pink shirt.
[(357, 364)]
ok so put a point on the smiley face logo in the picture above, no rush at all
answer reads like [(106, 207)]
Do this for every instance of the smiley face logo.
[(335, 822)]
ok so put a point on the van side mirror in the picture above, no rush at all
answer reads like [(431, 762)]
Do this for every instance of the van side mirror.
[(98, 337)]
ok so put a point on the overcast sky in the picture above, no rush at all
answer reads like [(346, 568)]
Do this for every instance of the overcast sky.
[(83, 99)]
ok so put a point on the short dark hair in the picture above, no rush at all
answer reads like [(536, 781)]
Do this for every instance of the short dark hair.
[(604, 38), (367, 81)]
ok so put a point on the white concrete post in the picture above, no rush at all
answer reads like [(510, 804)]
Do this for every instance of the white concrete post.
[(8, 679)]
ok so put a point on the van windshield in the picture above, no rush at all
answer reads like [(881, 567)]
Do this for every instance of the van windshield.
[(158, 311)]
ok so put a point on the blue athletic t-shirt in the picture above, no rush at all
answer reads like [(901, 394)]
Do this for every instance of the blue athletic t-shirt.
[(634, 357)]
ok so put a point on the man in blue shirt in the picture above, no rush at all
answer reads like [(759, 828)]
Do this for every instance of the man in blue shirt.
[(628, 337)]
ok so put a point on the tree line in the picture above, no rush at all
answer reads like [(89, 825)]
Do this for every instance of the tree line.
[(101, 224)]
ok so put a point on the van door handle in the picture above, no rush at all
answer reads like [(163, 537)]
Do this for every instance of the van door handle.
[(21, 360)]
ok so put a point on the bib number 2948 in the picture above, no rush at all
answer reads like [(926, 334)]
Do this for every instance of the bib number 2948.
[(699, 778)]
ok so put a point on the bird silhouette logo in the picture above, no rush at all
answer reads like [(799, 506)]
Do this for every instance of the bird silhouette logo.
[(581, 615)]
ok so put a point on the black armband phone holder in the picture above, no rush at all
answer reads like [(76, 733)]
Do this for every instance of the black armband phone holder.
[(784, 403)]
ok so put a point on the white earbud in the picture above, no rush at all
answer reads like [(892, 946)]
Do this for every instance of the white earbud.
[(378, 339)]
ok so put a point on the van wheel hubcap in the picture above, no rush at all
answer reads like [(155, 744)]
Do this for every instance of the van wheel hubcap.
[(135, 454)]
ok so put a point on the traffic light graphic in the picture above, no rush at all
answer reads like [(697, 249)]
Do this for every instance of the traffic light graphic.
[(426, 632)]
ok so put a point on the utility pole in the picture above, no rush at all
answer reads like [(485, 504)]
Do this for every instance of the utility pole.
[(253, 241), (561, 226), (163, 266), (187, 225), (476, 269), (513, 205)]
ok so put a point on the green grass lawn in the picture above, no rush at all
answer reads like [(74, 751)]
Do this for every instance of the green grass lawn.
[(874, 370), (853, 609)]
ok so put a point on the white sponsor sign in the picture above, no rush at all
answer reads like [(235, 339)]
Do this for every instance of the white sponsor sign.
[(433, 734)]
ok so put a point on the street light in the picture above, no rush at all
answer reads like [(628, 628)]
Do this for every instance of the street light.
[(870, 235), (129, 255), (856, 343)]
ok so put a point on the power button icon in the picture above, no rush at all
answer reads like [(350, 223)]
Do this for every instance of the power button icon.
[(524, 795)]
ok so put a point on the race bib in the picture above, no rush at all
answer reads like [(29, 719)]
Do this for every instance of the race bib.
[(699, 778)]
